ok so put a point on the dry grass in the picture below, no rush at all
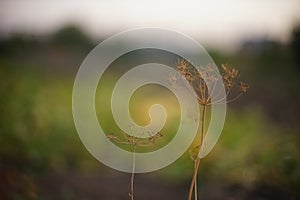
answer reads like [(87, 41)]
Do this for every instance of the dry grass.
[(199, 80)]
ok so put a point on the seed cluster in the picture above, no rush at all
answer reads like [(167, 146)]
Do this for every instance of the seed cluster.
[(135, 141), (203, 78)]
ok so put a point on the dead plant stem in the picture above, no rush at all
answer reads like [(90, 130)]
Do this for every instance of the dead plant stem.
[(132, 175), (197, 161)]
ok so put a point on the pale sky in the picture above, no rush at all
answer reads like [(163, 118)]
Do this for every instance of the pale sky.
[(219, 23)]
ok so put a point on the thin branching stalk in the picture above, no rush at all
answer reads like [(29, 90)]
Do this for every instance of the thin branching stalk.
[(195, 189), (134, 142), (131, 194), (200, 80), (197, 161)]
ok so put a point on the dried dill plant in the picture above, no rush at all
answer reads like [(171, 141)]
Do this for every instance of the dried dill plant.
[(134, 142), (201, 81)]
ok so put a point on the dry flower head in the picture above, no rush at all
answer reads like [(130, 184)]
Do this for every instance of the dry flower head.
[(135, 141), (209, 76)]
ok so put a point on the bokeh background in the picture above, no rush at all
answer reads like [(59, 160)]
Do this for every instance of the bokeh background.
[(42, 44)]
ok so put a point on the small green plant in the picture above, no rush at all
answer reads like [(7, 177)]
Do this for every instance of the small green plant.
[(199, 81)]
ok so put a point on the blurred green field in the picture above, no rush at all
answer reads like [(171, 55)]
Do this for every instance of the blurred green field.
[(41, 155), (38, 136)]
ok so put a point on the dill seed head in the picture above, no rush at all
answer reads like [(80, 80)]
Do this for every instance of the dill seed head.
[(209, 75), (135, 141), (243, 86)]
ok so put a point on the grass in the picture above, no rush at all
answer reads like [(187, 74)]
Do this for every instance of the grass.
[(38, 120)]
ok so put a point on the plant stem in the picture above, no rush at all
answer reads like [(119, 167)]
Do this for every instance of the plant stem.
[(131, 194), (195, 189), (197, 161)]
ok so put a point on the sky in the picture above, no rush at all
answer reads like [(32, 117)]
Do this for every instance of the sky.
[(218, 23)]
